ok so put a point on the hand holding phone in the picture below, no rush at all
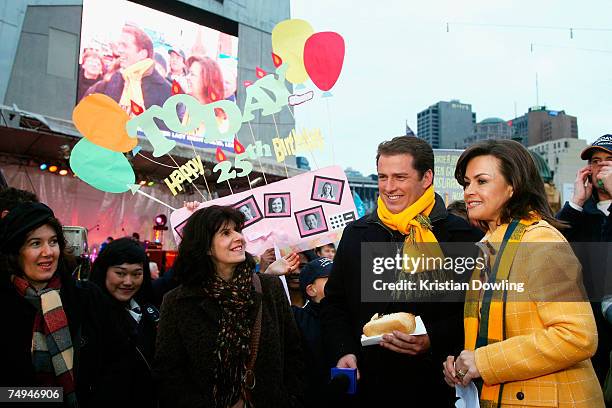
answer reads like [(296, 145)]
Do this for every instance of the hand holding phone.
[(583, 186), (604, 177)]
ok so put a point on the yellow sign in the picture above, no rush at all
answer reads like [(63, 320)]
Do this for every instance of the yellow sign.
[(185, 173), (295, 143)]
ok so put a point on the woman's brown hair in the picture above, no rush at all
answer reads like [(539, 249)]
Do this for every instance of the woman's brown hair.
[(212, 80), (519, 170), (194, 264)]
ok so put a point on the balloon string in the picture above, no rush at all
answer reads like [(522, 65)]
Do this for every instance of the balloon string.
[(153, 161), (249, 179), (307, 140), (331, 141), (190, 182), (278, 135), (204, 175), (155, 199), (207, 189), (258, 158)]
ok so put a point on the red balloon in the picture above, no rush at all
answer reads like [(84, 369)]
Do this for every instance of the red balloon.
[(323, 58)]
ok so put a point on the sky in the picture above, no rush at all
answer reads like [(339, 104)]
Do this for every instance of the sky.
[(400, 59)]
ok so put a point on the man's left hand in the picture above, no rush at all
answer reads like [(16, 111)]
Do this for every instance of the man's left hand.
[(406, 343)]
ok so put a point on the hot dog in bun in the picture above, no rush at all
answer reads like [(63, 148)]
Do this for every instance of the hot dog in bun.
[(403, 322)]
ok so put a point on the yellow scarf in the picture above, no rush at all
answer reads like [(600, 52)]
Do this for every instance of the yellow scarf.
[(485, 325), (132, 89), (415, 224)]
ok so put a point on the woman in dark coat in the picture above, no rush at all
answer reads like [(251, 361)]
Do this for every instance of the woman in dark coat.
[(204, 341), (57, 332), (122, 272)]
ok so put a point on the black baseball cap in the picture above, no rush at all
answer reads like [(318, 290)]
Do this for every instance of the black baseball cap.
[(318, 268), (177, 51), (604, 143)]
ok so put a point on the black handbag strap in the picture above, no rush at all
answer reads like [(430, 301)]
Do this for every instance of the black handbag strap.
[(249, 375)]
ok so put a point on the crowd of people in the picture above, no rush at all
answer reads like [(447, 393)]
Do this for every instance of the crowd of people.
[(133, 70), (227, 334)]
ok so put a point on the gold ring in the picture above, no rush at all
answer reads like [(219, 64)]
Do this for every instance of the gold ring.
[(460, 374)]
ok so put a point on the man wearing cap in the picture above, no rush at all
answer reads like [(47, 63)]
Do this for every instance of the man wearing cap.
[(588, 214), (313, 277), (178, 69)]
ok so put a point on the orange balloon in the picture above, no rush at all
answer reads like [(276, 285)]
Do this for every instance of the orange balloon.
[(102, 121)]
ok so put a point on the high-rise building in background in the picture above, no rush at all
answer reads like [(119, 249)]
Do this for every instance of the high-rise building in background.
[(542, 125), (490, 128), (446, 125)]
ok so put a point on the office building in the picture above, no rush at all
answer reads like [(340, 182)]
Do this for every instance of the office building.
[(542, 125), (490, 128), (446, 125)]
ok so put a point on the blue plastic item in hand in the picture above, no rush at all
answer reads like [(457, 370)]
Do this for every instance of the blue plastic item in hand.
[(344, 380)]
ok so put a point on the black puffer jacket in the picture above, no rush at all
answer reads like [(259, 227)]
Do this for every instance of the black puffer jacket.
[(388, 377), (98, 350)]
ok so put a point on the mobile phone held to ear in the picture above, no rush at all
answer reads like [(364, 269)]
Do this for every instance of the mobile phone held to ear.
[(343, 380)]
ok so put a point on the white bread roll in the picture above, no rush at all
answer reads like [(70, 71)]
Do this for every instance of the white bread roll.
[(403, 322)]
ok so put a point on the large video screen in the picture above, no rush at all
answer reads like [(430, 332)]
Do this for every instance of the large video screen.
[(134, 53)]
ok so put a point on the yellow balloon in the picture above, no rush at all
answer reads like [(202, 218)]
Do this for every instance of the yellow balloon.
[(288, 39)]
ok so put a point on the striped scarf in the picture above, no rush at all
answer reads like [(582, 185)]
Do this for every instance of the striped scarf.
[(487, 325), (232, 350), (52, 352)]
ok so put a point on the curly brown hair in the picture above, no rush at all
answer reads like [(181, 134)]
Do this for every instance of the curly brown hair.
[(194, 264)]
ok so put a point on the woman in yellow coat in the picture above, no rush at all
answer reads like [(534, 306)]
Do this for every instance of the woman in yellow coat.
[(529, 332)]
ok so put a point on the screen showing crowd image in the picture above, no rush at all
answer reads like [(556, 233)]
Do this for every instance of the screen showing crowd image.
[(134, 53)]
